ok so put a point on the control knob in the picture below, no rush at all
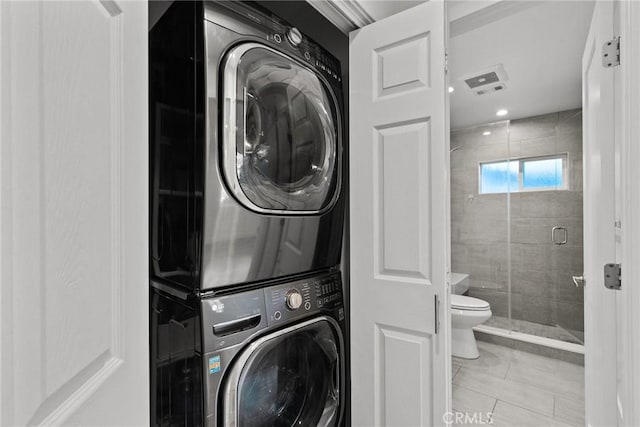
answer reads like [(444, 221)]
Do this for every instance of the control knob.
[(294, 36), (293, 299)]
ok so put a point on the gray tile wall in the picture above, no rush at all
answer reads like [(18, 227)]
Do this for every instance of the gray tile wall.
[(541, 286)]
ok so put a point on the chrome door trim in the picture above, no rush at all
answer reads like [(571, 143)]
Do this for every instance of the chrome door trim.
[(229, 121), (230, 396)]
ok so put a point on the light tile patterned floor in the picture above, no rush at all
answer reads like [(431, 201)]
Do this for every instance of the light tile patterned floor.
[(518, 389)]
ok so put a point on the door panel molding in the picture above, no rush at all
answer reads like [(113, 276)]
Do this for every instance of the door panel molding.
[(398, 70), (69, 132), (398, 348), (399, 151), (399, 226)]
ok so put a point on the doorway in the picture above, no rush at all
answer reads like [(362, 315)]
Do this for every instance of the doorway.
[(516, 205)]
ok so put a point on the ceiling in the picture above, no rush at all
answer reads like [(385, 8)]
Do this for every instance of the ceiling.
[(540, 46), (538, 43)]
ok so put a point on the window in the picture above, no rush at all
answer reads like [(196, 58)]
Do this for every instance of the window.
[(525, 174)]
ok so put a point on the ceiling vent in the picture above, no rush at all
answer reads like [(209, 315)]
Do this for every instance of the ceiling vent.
[(486, 81), (495, 88)]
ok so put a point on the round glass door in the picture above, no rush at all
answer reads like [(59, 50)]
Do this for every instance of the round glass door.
[(280, 140), (292, 380)]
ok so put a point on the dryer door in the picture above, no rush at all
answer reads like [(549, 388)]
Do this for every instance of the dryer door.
[(281, 131), (291, 377)]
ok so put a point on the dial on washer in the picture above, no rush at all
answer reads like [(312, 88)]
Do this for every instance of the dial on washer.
[(293, 299), (294, 36)]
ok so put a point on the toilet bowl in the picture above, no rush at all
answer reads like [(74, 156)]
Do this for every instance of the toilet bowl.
[(466, 312)]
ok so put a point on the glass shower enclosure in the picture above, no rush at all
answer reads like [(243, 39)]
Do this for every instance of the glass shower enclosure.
[(516, 222)]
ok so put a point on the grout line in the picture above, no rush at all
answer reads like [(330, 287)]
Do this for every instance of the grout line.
[(527, 383), (519, 405), (494, 406), (476, 392), (528, 409), (581, 341), (542, 388), (522, 382)]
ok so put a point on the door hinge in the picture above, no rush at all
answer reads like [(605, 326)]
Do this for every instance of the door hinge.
[(446, 61), (611, 53), (436, 303), (612, 279)]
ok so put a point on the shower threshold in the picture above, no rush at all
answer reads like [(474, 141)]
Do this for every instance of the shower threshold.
[(555, 332), (532, 339)]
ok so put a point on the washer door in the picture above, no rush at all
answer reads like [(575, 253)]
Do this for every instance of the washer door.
[(291, 377), (280, 133)]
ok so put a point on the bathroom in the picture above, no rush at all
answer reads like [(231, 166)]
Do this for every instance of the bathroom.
[(517, 215)]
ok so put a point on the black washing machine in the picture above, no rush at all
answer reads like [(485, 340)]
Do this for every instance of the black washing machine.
[(273, 356)]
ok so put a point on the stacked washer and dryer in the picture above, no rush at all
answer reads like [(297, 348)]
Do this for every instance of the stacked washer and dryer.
[(247, 313)]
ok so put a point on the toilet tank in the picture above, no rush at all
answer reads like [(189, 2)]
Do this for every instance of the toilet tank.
[(459, 283)]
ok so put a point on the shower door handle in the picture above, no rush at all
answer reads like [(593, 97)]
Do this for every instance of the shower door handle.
[(555, 231)]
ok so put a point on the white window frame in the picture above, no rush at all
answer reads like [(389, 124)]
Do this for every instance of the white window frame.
[(564, 157)]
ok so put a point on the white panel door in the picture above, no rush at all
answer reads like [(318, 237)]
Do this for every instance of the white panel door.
[(599, 219), (73, 213), (398, 204)]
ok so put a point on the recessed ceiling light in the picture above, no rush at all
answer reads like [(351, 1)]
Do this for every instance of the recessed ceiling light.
[(486, 133), (451, 89), (502, 113)]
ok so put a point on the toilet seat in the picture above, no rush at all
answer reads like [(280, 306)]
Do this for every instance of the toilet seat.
[(462, 302)]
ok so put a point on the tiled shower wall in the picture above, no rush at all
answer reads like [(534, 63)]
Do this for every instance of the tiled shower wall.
[(541, 287)]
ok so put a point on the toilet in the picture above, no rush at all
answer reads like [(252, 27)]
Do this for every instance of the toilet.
[(466, 312)]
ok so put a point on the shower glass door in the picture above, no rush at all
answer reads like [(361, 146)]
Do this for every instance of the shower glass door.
[(545, 247), (569, 295)]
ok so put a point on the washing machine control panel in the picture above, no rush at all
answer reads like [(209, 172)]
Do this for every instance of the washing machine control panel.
[(303, 297), (293, 299)]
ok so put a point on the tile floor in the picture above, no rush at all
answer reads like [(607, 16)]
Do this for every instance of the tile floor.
[(520, 389)]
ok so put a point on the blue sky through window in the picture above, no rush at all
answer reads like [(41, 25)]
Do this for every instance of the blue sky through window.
[(543, 173), (526, 174), (499, 177)]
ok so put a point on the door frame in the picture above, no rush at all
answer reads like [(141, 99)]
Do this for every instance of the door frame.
[(628, 109)]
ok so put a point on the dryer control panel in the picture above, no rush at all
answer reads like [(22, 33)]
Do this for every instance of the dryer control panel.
[(303, 297), (286, 37)]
